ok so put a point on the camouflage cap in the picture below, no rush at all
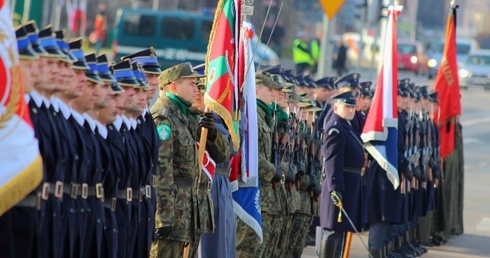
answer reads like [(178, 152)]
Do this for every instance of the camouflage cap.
[(273, 81), (180, 71)]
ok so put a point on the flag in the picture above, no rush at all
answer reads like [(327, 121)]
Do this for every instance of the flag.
[(447, 86), (245, 170), (380, 132), (208, 164), (221, 66), (20, 162)]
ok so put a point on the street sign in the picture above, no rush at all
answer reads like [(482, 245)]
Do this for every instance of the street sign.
[(331, 7)]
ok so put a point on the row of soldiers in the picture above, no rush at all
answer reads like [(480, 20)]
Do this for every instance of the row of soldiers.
[(123, 180), (99, 147), (316, 149)]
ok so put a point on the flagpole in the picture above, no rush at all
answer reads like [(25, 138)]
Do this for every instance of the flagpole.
[(260, 37)]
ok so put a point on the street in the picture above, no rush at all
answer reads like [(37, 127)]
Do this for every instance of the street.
[(475, 242)]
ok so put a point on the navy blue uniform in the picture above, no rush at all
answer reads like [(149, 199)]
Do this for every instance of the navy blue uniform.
[(344, 159), (122, 164)]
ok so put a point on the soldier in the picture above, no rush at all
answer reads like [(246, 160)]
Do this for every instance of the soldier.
[(107, 115), (366, 98), (132, 109), (51, 146), (430, 167), (118, 136), (342, 184), (218, 149), (177, 169), (348, 83), (269, 174), (323, 96), (91, 188), (151, 70), (386, 205)]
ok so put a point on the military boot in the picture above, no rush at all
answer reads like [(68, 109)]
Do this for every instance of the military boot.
[(378, 253), (328, 248)]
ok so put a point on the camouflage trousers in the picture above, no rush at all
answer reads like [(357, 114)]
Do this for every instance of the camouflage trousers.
[(299, 228), (167, 249), (284, 236), (247, 242), (272, 226)]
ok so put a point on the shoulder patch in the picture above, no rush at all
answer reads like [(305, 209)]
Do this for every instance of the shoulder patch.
[(333, 130), (164, 132)]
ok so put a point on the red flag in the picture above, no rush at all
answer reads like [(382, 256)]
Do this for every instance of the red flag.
[(447, 86)]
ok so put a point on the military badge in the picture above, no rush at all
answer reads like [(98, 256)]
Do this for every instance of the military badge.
[(164, 132)]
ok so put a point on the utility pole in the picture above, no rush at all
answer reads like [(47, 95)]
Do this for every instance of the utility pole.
[(326, 48), (363, 20)]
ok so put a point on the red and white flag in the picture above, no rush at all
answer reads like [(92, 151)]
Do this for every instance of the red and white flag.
[(20, 162), (380, 132), (208, 164)]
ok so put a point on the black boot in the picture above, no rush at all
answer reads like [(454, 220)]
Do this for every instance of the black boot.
[(378, 253), (328, 248)]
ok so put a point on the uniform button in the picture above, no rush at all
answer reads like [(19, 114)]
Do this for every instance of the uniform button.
[(82, 210), (72, 210), (34, 110)]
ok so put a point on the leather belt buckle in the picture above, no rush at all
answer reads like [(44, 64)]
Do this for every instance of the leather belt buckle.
[(113, 204), (58, 189), (84, 191), (148, 191), (283, 179), (45, 191), (140, 194), (74, 191), (99, 191), (129, 194), (153, 181), (208, 188)]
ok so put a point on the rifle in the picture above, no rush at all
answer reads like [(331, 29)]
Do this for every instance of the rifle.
[(275, 144)]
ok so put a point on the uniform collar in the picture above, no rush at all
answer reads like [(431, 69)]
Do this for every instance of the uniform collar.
[(78, 117), (133, 123), (118, 123), (64, 108), (90, 121), (102, 129), (126, 121), (55, 103), (37, 98), (145, 111), (46, 102), (27, 97)]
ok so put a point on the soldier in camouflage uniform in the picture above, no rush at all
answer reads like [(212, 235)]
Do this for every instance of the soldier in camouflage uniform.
[(247, 242), (177, 169), (219, 150)]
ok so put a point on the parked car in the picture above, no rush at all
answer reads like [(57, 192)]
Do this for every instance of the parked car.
[(463, 48), (177, 36), (475, 71), (411, 57)]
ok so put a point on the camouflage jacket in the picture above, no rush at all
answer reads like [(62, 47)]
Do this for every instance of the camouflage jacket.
[(177, 170), (269, 198)]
